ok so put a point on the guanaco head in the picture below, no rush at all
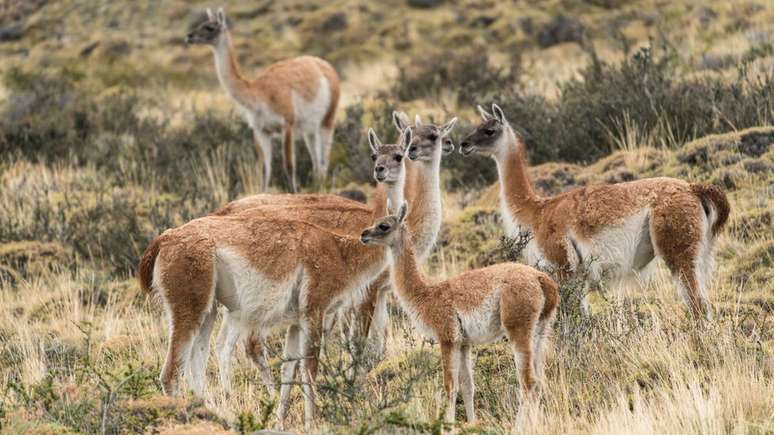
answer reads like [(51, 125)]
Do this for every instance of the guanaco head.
[(388, 158), (210, 30), (490, 136), (429, 141), (387, 230)]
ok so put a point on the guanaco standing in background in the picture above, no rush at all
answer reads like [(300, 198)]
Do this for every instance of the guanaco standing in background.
[(292, 96)]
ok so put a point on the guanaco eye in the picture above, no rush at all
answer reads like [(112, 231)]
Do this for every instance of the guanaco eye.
[(384, 227), (433, 137), (373, 157), (209, 28), (398, 157), (489, 131)]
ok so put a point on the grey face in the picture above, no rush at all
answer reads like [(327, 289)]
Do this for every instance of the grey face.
[(382, 232), (388, 163), (483, 139), (425, 143), (385, 230), (205, 33)]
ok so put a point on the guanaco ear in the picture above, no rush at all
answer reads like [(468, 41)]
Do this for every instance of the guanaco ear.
[(400, 119), (486, 116), (210, 15), (373, 140), (402, 212), (498, 113), (221, 18), (448, 127), (405, 138), (447, 146), (417, 120)]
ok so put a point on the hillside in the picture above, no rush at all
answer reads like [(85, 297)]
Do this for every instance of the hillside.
[(112, 130)]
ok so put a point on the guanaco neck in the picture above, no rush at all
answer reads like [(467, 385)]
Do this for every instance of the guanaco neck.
[(227, 68), (392, 192), (406, 276), (425, 221), (516, 192)]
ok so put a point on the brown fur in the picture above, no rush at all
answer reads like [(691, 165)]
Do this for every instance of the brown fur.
[(527, 298), (274, 86), (273, 247), (147, 262), (709, 193), (677, 209)]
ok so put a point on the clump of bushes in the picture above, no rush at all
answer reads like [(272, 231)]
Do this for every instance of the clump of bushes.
[(468, 73), (110, 132), (584, 122), (580, 126)]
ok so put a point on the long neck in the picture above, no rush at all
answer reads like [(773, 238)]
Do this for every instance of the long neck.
[(516, 192), (429, 181), (390, 192), (395, 191), (424, 195), (407, 278), (227, 67)]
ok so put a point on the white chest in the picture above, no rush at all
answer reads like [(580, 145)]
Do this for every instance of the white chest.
[(427, 230)]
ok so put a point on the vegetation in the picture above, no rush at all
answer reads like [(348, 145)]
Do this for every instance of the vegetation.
[(111, 131)]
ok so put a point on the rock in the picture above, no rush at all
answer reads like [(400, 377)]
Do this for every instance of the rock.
[(12, 32), (561, 29), (424, 4), (334, 23)]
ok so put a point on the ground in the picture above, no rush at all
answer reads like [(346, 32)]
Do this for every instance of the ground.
[(113, 131)]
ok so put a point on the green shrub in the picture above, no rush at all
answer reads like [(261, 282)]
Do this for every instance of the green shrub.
[(580, 126), (468, 73)]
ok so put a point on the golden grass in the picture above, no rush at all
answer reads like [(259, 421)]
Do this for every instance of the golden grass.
[(73, 335), (643, 367)]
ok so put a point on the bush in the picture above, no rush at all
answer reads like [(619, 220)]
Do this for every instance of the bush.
[(467, 73), (582, 124)]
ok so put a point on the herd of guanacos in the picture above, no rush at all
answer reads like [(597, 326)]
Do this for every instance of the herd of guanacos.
[(294, 261)]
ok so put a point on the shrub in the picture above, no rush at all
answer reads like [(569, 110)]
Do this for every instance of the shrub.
[(582, 124), (468, 73)]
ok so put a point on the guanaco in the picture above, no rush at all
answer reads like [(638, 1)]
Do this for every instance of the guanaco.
[(613, 230), (476, 307), (329, 211), (292, 96)]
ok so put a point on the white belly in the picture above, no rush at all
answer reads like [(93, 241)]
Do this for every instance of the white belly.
[(260, 117), (309, 114), (610, 254), (262, 302), (483, 324)]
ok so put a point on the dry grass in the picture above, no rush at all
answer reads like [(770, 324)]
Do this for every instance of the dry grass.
[(642, 366), (81, 347)]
